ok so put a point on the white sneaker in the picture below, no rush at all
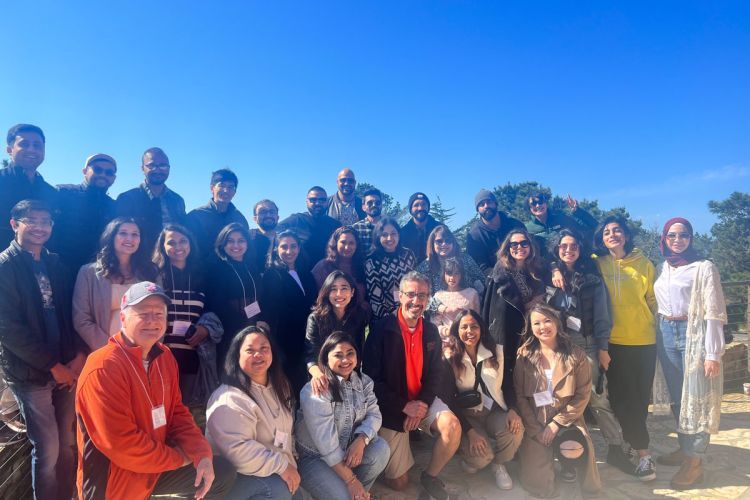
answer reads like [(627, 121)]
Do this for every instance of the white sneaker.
[(502, 478), (468, 468)]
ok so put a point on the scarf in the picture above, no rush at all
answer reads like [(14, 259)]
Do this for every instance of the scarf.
[(678, 259)]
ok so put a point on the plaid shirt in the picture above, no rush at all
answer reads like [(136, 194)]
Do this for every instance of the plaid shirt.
[(364, 229)]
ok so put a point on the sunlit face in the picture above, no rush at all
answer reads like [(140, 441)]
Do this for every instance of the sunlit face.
[(537, 206), (678, 238), (419, 210), (372, 205), (176, 246), (156, 168), (469, 331), (223, 192), (453, 281), (342, 360), (27, 150), (443, 245), (614, 237), (568, 250), (127, 239), (346, 245), (236, 246), (100, 173), (520, 247), (543, 327), (487, 209), (413, 297), (145, 323), (266, 216), (346, 182), (341, 294), (317, 202), (255, 356), (288, 250), (389, 238), (34, 229)]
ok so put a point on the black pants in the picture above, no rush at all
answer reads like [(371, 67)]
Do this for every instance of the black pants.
[(181, 481), (630, 377)]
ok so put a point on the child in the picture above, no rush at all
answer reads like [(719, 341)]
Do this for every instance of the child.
[(456, 298)]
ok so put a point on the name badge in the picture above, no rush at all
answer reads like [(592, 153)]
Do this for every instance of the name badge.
[(395, 295), (252, 310), (158, 417), (180, 328), (281, 440), (573, 323), (543, 398)]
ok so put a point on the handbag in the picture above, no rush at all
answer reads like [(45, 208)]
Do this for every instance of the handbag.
[(471, 398)]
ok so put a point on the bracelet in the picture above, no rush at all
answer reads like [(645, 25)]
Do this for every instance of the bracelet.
[(351, 479)]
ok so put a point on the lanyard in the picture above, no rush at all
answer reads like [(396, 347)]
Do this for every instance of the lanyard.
[(189, 293), (163, 394), (244, 296)]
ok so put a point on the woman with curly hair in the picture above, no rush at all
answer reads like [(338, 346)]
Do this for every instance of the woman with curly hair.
[(343, 253)]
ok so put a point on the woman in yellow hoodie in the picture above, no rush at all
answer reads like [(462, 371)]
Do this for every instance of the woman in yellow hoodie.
[(629, 277)]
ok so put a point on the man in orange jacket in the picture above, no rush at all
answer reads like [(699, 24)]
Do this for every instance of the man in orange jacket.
[(135, 437)]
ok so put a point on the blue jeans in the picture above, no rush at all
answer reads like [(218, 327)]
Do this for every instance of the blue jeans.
[(261, 488), (322, 482), (49, 414), (670, 347)]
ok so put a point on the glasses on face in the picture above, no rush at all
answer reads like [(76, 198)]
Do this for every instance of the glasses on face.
[(346, 181), (681, 236), (316, 201), (267, 211), (523, 244), (441, 242), (373, 203), (44, 223), (157, 166), (573, 247), (415, 295), (537, 203), (109, 172)]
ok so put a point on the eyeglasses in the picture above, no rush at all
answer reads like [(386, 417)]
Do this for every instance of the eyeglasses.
[(523, 244), (537, 203), (573, 247), (37, 222), (674, 236), (157, 166), (440, 242), (373, 203), (263, 211), (415, 295), (314, 200), (109, 172)]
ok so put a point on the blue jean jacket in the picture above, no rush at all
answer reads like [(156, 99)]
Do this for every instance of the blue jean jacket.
[(325, 428)]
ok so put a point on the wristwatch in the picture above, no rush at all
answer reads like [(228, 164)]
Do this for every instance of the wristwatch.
[(364, 436)]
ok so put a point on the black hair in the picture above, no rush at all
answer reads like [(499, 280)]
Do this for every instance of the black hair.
[(377, 232), (585, 264), (317, 188), (530, 345), (224, 174), (16, 130), (329, 345), (536, 195), (106, 258), (322, 308), (275, 259), (372, 192), (451, 267), (431, 256), (458, 348), (223, 236), (153, 151), (332, 252), (160, 257), (23, 207), (599, 247), (264, 202)]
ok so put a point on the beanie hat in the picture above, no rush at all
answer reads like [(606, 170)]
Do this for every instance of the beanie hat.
[(419, 196), (484, 194)]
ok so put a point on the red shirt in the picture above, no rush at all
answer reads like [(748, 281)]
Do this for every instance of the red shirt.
[(414, 355)]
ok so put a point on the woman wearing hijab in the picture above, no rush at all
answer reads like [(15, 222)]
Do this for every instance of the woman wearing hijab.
[(690, 343)]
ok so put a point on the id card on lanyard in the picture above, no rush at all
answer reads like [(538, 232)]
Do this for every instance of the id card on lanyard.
[(158, 413)]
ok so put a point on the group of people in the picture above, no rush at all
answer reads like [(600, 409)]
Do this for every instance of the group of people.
[(319, 345)]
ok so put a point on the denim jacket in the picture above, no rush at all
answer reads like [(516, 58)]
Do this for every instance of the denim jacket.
[(325, 429)]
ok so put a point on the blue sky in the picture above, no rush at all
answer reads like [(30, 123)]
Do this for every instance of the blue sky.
[(641, 104)]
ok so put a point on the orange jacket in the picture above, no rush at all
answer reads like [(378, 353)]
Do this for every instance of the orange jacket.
[(120, 454)]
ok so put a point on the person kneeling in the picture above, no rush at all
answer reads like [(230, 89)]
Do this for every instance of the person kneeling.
[(340, 451)]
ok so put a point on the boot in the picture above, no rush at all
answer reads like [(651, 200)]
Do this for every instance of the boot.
[(689, 474), (673, 459)]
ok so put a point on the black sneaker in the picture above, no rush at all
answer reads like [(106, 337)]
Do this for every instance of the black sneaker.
[(434, 487), (646, 470), (568, 474), (617, 458)]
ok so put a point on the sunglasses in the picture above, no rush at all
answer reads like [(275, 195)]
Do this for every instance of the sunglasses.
[(109, 172), (523, 244), (674, 236)]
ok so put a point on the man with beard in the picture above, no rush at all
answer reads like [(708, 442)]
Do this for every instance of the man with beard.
[(20, 179), (85, 209), (266, 216), (487, 233), (372, 205), (314, 227), (415, 232), (545, 222), (152, 204), (208, 220), (344, 206)]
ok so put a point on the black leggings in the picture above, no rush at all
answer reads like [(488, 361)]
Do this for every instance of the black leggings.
[(629, 378)]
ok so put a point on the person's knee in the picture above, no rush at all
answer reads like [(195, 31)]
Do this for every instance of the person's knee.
[(398, 483), (224, 475), (379, 453), (449, 427)]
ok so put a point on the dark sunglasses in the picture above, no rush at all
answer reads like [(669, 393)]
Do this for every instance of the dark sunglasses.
[(110, 172), (523, 244)]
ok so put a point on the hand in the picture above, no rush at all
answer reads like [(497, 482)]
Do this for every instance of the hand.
[(712, 368), (411, 423), (557, 279), (76, 364), (478, 445), (416, 408), (515, 425), (572, 203), (64, 376), (185, 459), (355, 452), (604, 360), (201, 333), (549, 433), (204, 472), (319, 382), (291, 478), (357, 491)]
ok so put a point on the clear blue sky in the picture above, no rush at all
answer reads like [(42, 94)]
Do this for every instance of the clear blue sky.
[(641, 104)]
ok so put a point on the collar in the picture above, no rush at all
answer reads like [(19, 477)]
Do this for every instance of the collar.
[(404, 327), (212, 205), (22, 251), (151, 196), (21, 173), (137, 351)]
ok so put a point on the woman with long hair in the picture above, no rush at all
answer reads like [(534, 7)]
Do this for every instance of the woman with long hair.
[(288, 294), (492, 430), (337, 308), (552, 381), (120, 262), (456, 296), (343, 253), (234, 287), (629, 277), (249, 419), (340, 451), (386, 264), (690, 343)]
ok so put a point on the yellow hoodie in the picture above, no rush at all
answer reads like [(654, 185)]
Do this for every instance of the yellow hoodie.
[(630, 283)]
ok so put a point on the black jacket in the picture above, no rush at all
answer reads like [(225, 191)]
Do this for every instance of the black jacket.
[(415, 239), (25, 352), (482, 242), (146, 211), (384, 362), (14, 187), (313, 232), (206, 222), (84, 212), (354, 323)]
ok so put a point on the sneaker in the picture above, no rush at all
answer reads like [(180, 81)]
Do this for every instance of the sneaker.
[(617, 458), (673, 459), (502, 478), (433, 486), (568, 475), (468, 468), (645, 470)]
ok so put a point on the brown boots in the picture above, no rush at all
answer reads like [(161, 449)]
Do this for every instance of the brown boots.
[(690, 473)]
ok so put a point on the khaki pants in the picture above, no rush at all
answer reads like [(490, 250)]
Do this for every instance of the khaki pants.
[(493, 426)]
